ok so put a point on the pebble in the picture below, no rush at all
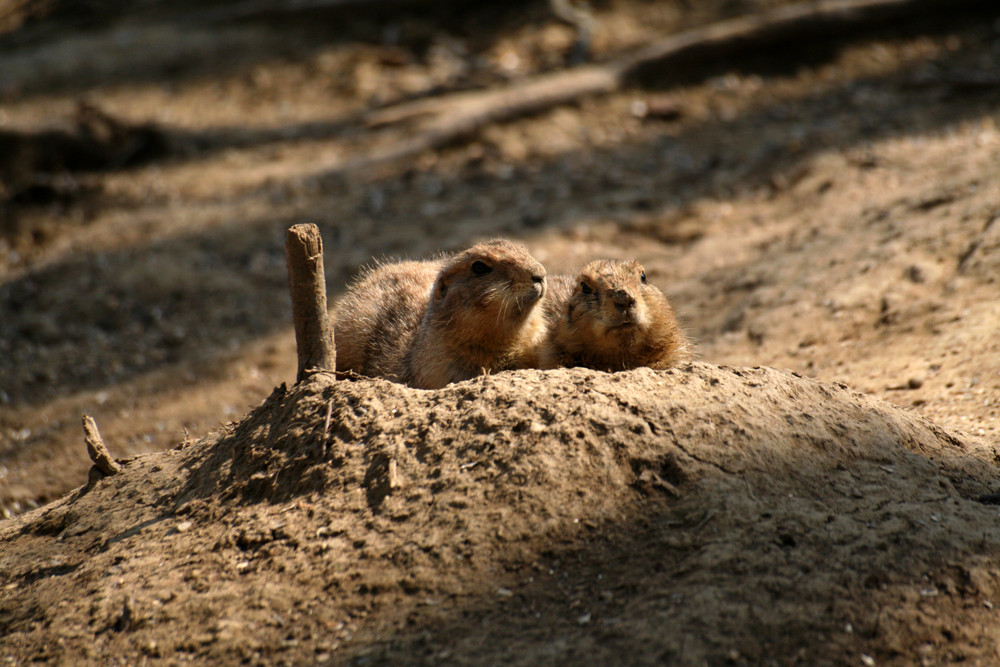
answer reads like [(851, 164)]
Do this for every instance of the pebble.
[(915, 274)]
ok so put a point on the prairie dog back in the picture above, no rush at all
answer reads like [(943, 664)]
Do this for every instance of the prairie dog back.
[(376, 320)]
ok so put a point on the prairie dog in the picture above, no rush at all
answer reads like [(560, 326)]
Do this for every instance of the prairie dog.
[(610, 318), (429, 323)]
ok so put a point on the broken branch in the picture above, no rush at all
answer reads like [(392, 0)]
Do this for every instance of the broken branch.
[(97, 450)]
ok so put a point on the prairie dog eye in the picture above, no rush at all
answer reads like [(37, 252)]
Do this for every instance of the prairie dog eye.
[(481, 268), (586, 289), (643, 277)]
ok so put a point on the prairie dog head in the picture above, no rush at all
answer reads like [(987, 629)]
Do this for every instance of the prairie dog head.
[(612, 300), (488, 290), (615, 320)]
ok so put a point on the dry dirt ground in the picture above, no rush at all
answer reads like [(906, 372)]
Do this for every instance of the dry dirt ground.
[(831, 209)]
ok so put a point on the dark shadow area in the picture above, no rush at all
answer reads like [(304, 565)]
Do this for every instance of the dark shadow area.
[(258, 469), (61, 168), (688, 583), (43, 168), (790, 53), (128, 312), (247, 33)]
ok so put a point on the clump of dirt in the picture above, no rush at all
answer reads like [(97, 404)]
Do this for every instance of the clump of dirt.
[(702, 513)]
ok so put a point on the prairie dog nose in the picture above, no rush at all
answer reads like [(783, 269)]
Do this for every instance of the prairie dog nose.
[(538, 284), (622, 299)]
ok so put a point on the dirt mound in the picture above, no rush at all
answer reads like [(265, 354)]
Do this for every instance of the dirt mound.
[(701, 513)]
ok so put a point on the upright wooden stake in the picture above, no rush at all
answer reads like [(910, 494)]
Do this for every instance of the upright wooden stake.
[(307, 282)]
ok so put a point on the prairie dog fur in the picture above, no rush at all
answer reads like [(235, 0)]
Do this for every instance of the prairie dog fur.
[(430, 323)]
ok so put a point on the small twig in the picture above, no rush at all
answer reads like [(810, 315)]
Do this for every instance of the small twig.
[(650, 477), (964, 258), (581, 18), (307, 282), (705, 519), (297, 505), (97, 450), (326, 427), (393, 475), (329, 414)]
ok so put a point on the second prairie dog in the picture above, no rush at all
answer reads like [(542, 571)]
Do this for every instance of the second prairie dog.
[(430, 323), (609, 318)]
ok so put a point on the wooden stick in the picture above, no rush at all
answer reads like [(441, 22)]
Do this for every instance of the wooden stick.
[(96, 448), (307, 282)]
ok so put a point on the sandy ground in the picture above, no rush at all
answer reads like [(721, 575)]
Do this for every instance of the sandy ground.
[(699, 515), (831, 210)]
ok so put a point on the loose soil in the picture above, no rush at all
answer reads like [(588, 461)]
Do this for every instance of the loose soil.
[(829, 210), (703, 514)]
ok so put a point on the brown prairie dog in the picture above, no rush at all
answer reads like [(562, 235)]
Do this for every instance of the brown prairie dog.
[(430, 323), (609, 318)]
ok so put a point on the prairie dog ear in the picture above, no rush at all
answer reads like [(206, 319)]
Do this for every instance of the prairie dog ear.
[(444, 282)]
